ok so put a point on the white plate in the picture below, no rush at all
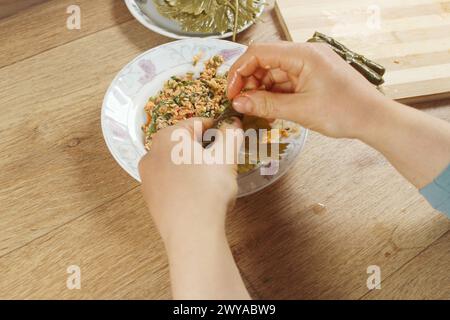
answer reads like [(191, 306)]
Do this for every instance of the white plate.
[(123, 106), (152, 23)]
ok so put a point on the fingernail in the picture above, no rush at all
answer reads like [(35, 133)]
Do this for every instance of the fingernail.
[(236, 121), (242, 104), (233, 78), (232, 81)]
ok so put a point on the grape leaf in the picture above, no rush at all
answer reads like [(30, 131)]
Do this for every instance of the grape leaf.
[(210, 16)]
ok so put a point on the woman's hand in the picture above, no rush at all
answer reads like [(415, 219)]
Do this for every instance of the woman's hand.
[(309, 84), (187, 199), (304, 82), (188, 203)]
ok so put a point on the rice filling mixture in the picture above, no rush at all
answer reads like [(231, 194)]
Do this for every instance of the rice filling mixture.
[(186, 97)]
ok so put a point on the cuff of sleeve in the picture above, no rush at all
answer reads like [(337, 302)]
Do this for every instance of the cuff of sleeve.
[(437, 192)]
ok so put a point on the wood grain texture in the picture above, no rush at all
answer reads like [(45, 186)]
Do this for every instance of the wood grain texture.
[(44, 27), (64, 200), (59, 96), (11, 7), (406, 37), (416, 279), (118, 266)]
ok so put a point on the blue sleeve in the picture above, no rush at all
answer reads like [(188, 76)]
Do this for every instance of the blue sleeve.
[(438, 192)]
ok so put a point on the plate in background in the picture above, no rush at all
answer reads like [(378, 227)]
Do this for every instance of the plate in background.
[(146, 13)]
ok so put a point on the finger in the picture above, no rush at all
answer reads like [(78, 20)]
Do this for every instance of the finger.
[(231, 141), (235, 85), (260, 73), (189, 123), (273, 77), (287, 57), (251, 83), (195, 126), (267, 104), (238, 77)]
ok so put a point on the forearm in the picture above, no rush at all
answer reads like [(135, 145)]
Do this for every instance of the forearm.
[(415, 143), (202, 266)]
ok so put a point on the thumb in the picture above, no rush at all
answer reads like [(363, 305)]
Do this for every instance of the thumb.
[(232, 139), (266, 104)]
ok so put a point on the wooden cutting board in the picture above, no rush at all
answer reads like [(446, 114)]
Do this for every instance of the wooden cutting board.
[(411, 38)]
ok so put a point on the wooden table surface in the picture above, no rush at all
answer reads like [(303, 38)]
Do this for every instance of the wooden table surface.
[(64, 200)]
